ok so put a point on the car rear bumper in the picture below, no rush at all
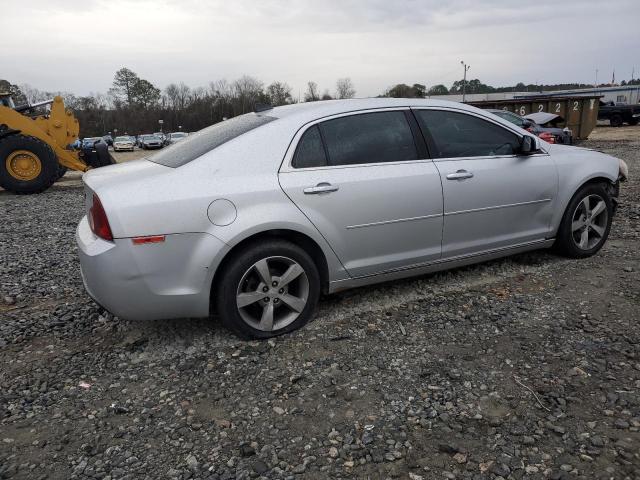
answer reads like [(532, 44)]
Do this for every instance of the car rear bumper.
[(171, 279)]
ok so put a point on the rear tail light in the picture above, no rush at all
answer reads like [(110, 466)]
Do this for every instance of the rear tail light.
[(547, 137), (98, 220)]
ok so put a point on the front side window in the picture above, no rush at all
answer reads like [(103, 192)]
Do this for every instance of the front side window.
[(462, 135), (368, 138)]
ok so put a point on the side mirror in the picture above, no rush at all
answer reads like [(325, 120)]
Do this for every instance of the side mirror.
[(526, 124), (529, 145)]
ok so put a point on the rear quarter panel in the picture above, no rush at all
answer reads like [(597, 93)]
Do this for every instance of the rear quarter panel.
[(158, 200)]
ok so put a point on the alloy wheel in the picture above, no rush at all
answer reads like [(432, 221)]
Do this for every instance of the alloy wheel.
[(272, 293), (589, 222)]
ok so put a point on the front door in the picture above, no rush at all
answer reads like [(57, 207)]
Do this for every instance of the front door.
[(361, 181), (493, 197)]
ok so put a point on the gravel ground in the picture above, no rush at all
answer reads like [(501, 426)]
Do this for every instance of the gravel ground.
[(527, 367)]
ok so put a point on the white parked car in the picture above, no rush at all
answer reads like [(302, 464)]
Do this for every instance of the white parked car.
[(176, 137), (123, 143), (256, 216)]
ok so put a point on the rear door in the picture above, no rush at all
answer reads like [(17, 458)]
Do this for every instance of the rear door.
[(493, 197), (369, 189)]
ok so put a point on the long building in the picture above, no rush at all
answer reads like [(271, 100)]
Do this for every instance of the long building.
[(623, 94)]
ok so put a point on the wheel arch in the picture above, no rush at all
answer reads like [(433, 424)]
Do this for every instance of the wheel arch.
[(304, 241)]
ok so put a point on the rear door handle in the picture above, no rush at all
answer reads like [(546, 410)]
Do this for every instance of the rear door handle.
[(459, 175), (322, 187)]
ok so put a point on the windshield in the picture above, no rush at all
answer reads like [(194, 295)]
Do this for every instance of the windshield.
[(511, 117), (208, 139), (178, 135), (123, 139)]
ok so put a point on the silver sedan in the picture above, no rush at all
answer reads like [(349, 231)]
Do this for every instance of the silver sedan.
[(255, 217)]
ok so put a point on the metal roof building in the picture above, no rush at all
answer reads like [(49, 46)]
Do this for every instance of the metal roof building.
[(625, 94)]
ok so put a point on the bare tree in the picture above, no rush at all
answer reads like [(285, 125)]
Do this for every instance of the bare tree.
[(32, 94), (311, 95), (197, 94), (248, 91), (279, 93), (183, 94), (344, 88), (171, 93)]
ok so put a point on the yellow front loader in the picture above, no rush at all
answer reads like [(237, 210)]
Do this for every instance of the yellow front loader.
[(36, 150)]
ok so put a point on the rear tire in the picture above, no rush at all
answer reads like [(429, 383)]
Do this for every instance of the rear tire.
[(616, 121), (585, 212), (275, 303), (32, 171)]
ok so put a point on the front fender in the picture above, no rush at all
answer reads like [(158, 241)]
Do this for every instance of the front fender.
[(576, 167)]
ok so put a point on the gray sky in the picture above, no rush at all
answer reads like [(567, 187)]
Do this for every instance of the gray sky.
[(77, 45)]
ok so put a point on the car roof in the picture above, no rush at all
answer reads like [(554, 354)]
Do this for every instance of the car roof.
[(309, 111)]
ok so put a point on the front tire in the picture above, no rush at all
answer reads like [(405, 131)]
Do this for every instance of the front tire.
[(586, 222), (616, 121), (267, 289), (27, 164)]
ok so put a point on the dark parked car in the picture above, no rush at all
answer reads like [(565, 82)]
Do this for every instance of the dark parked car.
[(151, 141), (619, 113), (537, 123), (89, 142)]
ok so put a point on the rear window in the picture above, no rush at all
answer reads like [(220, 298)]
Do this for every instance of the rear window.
[(208, 139)]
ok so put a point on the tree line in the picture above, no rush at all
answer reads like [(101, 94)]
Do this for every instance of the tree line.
[(472, 86), (133, 105)]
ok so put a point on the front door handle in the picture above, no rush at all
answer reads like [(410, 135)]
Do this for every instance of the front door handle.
[(459, 175), (322, 187)]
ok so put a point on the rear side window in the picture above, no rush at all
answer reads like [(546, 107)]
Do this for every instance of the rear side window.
[(461, 135), (310, 151), (208, 139), (368, 138)]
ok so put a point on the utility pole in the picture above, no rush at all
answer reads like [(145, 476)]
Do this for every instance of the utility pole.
[(464, 79)]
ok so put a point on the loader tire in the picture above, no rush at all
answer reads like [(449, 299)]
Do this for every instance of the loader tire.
[(61, 171), (27, 165)]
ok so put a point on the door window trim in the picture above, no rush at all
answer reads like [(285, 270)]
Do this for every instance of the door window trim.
[(419, 142)]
